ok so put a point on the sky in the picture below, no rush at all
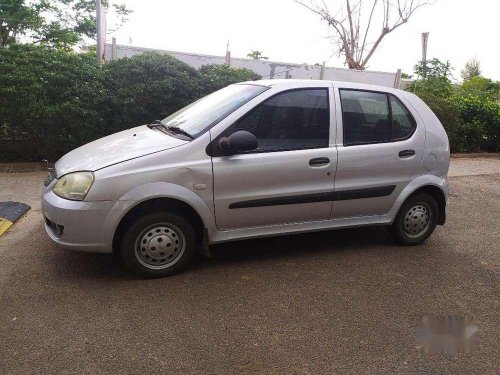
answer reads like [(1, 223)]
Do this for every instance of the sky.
[(287, 32)]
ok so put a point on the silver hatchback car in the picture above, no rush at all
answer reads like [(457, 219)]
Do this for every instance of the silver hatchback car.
[(254, 159)]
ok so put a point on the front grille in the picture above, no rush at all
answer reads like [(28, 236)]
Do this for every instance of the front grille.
[(56, 229)]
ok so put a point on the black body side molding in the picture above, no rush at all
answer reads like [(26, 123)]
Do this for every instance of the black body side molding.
[(375, 192), (380, 191)]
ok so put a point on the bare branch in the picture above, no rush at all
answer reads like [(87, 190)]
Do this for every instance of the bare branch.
[(374, 47), (351, 26), (357, 23), (367, 30), (346, 23), (337, 25)]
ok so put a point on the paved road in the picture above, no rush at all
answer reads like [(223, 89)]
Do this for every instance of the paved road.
[(336, 302)]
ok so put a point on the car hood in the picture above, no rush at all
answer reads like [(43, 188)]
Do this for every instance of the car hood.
[(116, 148)]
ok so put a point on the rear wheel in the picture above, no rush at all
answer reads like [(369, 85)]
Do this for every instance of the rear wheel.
[(416, 220), (158, 244)]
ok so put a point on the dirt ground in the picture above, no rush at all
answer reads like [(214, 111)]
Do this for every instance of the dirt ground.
[(343, 302)]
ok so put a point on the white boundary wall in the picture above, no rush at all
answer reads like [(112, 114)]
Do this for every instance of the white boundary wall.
[(267, 69)]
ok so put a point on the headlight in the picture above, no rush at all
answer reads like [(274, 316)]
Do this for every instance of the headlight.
[(74, 186)]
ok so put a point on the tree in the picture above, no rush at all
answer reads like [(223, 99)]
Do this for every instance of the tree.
[(352, 31), (436, 84), (481, 87), (257, 55), (217, 76), (470, 114), (472, 69), (433, 68), (59, 23)]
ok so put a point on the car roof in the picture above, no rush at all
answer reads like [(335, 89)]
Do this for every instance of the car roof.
[(310, 82)]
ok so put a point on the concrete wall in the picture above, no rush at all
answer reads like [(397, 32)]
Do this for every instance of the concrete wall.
[(267, 69)]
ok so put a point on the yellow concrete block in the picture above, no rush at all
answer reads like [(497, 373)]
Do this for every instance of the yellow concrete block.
[(4, 225)]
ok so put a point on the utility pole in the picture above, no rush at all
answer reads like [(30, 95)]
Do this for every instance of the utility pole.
[(101, 30), (113, 48), (425, 38), (322, 71), (228, 54), (397, 79)]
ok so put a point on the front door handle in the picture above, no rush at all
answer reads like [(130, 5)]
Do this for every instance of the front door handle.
[(406, 153), (316, 162)]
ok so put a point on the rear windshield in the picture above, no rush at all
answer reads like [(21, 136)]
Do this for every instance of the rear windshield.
[(201, 115)]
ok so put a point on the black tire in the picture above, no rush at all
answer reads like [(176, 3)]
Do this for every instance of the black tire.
[(411, 233), (153, 258)]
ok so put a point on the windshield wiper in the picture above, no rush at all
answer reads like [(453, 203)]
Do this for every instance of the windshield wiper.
[(156, 124), (173, 129)]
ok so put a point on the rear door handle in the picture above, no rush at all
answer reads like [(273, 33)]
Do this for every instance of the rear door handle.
[(316, 162), (406, 153)]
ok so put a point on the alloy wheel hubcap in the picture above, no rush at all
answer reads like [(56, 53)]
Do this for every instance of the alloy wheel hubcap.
[(159, 246), (416, 220)]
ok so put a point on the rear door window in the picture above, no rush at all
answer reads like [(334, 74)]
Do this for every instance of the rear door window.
[(374, 117), (402, 120)]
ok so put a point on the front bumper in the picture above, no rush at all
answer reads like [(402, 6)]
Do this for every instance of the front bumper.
[(76, 225)]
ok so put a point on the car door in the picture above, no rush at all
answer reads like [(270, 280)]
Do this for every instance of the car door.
[(289, 178), (380, 146)]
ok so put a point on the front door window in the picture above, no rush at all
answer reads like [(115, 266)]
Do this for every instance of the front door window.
[(293, 120)]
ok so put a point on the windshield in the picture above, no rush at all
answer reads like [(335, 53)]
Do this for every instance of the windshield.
[(199, 116)]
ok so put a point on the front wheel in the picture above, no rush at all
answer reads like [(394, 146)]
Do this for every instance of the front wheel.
[(416, 220), (158, 244)]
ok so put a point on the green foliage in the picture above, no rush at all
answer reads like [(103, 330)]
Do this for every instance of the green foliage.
[(471, 123), (472, 69), (470, 113), (479, 111), (433, 68), (447, 111), (148, 87), (480, 118), (219, 76), (15, 17), (52, 101), (481, 87), (58, 23), (432, 87), (257, 55)]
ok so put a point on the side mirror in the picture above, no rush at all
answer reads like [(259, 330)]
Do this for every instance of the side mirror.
[(239, 141)]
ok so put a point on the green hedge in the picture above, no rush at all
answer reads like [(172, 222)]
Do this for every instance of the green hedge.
[(147, 87), (471, 116), (218, 76), (480, 123), (52, 101)]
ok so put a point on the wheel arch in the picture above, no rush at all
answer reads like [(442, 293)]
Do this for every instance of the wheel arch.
[(153, 204), (436, 193), (157, 196), (437, 187)]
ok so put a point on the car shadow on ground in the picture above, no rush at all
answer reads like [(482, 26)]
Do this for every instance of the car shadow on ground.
[(279, 248), (299, 245)]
